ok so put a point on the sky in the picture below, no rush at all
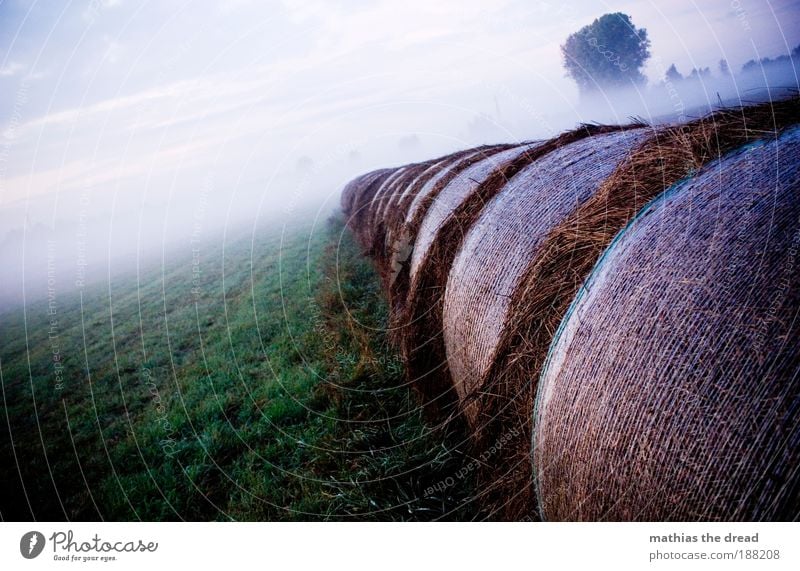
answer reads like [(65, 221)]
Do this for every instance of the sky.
[(129, 117)]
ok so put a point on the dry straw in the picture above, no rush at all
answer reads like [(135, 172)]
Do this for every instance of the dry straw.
[(400, 208), (504, 395), (353, 190), (672, 389), (500, 328), (380, 256), (397, 245), (405, 232), (360, 197), (487, 270), (418, 321), (366, 228), (418, 330)]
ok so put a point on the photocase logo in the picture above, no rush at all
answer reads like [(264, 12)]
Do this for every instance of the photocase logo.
[(31, 544)]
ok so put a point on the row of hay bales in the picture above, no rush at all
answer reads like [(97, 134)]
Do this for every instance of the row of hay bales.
[(613, 313)]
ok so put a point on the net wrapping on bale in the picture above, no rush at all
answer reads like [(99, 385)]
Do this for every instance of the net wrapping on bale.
[(566, 257), (360, 198), (399, 242), (671, 391), (418, 313), (447, 201), (415, 220), (369, 219), (401, 205), (405, 232), (380, 254), (503, 241), (418, 329)]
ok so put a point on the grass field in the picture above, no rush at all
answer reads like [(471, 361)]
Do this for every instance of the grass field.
[(250, 382)]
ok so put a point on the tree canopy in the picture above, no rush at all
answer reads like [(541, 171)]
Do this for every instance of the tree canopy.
[(608, 52), (673, 74)]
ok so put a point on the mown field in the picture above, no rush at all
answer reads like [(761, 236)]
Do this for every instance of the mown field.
[(251, 382)]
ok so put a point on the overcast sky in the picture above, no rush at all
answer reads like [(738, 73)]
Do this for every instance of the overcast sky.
[(109, 90), (138, 103)]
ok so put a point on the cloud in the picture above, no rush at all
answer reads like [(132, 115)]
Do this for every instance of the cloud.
[(295, 76)]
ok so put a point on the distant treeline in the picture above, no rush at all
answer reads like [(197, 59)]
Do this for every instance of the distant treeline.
[(673, 74)]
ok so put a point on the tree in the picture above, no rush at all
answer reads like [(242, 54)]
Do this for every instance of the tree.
[(700, 73), (723, 67), (608, 52), (754, 65), (673, 74)]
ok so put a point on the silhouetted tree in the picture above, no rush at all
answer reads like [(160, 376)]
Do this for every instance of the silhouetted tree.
[(758, 64), (608, 52), (673, 74), (701, 73)]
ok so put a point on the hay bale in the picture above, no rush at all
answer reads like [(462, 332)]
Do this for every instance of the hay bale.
[(379, 223), (671, 391), (397, 188), (386, 187), (397, 214), (353, 189), (403, 222), (396, 250), (419, 321), (366, 227), (498, 247), (455, 193), (422, 176), (405, 231), (565, 259), (417, 332), (397, 209), (349, 191), (428, 193), (362, 195), (386, 208)]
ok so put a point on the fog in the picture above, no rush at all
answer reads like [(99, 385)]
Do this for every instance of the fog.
[(133, 130)]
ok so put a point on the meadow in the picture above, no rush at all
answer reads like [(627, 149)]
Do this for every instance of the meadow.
[(250, 380)]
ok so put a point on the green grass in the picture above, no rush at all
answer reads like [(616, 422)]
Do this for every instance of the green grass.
[(269, 394)]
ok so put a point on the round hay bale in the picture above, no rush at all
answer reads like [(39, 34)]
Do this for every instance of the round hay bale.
[(349, 191), (485, 278), (367, 220), (422, 176), (399, 209), (406, 230), (353, 189), (505, 239), (417, 332), (419, 320), (399, 185), (456, 192), (671, 391), (560, 265), (380, 193), (394, 251), (428, 193), (403, 221), (565, 259), (396, 211), (362, 197)]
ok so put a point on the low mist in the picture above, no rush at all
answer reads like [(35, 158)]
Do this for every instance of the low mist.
[(132, 134)]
